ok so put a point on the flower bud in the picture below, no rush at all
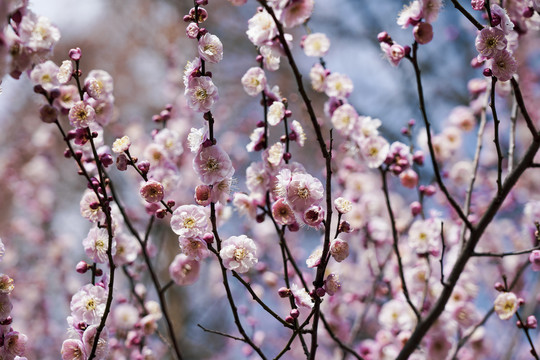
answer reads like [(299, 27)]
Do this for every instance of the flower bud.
[(75, 54), (82, 267), (283, 292)]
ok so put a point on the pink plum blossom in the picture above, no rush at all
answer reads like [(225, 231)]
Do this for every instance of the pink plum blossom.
[(210, 48), (254, 81), (190, 221), (201, 93), (239, 253), (212, 164), (184, 271)]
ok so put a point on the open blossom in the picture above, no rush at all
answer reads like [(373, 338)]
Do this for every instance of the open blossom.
[(195, 248), (239, 253), (184, 271), (254, 81), (210, 48), (171, 143), (316, 44), (301, 296), (196, 138), (313, 216), (121, 145), (282, 213), (81, 115), (374, 150), (394, 53), (296, 12), (201, 93), (410, 15), (88, 340), (276, 112), (190, 221), (490, 41), (424, 236), (38, 32), (65, 72), (261, 28), (73, 349), (96, 245), (14, 344), (88, 304), (99, 84), (506, 24), (271, 56), (338, 85), (90, 207), (44, 74), (430, 9), (212, 164), (344, 118), (304, 191), (506, 305), (318, 75), (152, 191), (503, 65), (191, 70), (342, 205)]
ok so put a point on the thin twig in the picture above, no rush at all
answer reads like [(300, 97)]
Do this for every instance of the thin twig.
[(395, 237), (221, 333), (436, 170)]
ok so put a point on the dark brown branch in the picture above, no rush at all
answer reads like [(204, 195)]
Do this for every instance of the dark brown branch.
[(395, 245), (436, 170)]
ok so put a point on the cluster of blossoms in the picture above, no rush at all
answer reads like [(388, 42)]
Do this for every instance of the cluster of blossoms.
[(419, 14), (398, 256), (494, 45), (27, 38), (13, 343)]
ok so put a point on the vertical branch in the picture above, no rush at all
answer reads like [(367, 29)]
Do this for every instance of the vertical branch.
[(436, 170), (396, 245), (496, 123), (476, 162)]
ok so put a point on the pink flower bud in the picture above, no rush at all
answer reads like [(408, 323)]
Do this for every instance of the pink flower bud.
[(48, 114), (144, 166), (82, 267), (295, 313), (283, 292), (320, 292), (339, 249), (499, 286), (416, 208), (75, 54), (202, 195), (289, 319), (409, 178), (209, 238), (534, 258), (423, 33), (531, 322), (121, 162)]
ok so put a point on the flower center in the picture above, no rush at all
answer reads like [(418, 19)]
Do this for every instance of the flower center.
[(303, 193), (240, 254), (201, 94), (189, 223), (91, 304), (212, 164)]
